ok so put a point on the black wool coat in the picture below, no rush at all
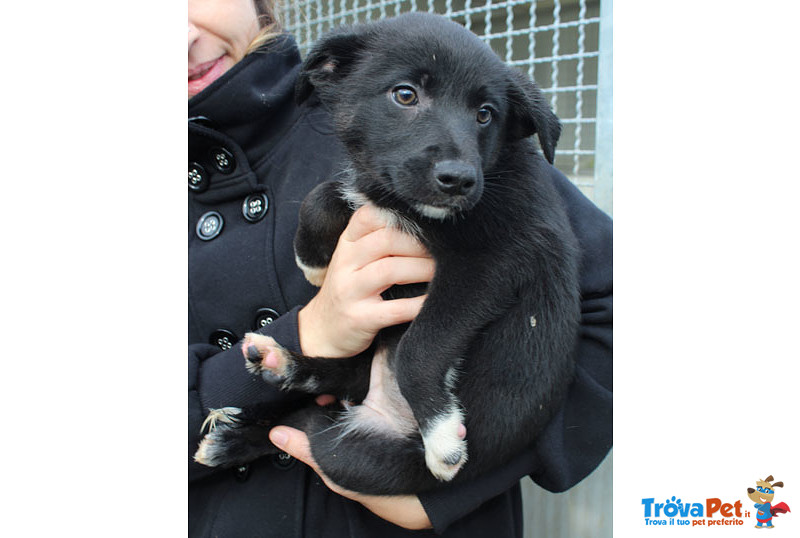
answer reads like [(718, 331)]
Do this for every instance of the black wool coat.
[(253, 156)]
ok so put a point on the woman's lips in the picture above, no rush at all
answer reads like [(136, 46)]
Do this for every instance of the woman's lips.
[(204, 74)]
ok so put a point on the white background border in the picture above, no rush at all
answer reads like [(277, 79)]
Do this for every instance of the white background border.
[(94, 285)]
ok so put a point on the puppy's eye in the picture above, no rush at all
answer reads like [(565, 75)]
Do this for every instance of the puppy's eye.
[(484, 115), (405, 96)]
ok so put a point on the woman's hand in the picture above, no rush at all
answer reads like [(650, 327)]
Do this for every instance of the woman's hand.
[(403, 510), (348, 311)]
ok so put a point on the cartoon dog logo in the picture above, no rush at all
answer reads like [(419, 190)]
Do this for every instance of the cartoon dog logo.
[(762, 495)]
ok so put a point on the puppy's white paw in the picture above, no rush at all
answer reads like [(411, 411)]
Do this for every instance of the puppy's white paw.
[(265, 356), (445, 446), (211, 451), (315, 275)]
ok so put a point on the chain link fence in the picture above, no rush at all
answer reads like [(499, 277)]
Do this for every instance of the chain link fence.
[(557, 43)]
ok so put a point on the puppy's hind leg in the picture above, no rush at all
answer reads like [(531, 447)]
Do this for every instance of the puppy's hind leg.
[(369, 461), (236, 436), (427, 382)]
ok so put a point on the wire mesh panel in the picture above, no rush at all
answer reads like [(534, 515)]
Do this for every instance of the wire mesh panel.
[(554, 41)]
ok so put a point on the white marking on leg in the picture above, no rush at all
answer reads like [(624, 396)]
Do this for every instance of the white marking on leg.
[(445, 447), (315, 275), (450, 379), (203, 454), (208, 451)]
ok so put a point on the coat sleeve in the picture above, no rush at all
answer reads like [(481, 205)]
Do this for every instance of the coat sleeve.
[(219, 379), (580, 435)]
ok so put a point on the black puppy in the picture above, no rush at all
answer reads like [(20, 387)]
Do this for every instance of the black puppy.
[(437, 132)]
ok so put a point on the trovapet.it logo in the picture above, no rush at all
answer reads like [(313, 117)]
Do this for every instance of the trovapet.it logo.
[(714, 511), (711, 511)]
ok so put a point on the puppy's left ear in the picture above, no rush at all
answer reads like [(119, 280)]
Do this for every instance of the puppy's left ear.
[(530, 114), (328, 62)]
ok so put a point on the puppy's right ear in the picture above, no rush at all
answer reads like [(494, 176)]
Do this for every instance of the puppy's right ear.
[(329, 61)]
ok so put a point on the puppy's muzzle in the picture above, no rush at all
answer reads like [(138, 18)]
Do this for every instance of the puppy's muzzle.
[(455, 178)]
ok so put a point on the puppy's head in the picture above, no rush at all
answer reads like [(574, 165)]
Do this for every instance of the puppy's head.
[(424, 109)]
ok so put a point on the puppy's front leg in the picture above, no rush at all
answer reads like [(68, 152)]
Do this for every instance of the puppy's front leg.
[(428, 357), (346, 378), (323, 218)]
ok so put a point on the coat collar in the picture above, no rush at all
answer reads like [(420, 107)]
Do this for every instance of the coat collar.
[(255, 98)]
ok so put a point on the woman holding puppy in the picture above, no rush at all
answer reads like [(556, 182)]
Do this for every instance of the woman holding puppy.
[(253, 156)]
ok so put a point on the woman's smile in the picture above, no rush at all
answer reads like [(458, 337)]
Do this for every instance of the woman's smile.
[(204, 74)]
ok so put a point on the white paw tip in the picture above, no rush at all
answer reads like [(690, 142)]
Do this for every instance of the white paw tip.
[(200, 455), (445, 447), (314, 275)]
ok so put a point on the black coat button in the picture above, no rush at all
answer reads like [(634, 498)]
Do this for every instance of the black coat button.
[(264, 317), (209, 226), (283, 461), (198, 178), (222, 338), (223, 160), (255, 207), (242, 472)]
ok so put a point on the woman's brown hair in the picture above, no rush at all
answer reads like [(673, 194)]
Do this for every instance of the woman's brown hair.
[(269, 20)]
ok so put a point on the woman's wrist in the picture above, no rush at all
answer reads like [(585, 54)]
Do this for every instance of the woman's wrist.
[(311, 333)]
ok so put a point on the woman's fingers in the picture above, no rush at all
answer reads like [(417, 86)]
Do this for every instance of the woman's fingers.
[(397, 311), (383, 243), (371, 239), (386, 272), (364, 220), (348, 311)]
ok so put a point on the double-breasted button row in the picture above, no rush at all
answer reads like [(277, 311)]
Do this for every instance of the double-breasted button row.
[(225, 338), (210, 224), (221, 159)]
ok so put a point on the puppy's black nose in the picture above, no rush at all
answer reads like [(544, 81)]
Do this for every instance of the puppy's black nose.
[(455, 177)]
